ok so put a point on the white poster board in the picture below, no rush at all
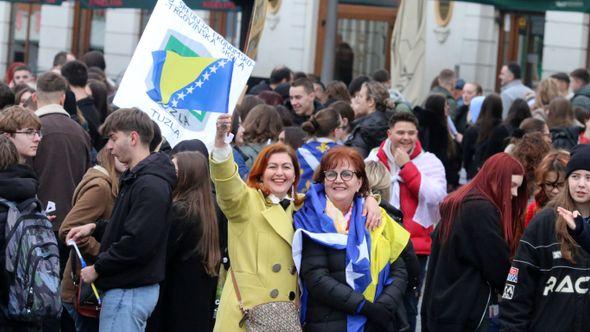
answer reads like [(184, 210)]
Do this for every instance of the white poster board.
[(183, 74)]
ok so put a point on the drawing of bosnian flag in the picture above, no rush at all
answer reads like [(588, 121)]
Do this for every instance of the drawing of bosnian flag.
[(196, 84)]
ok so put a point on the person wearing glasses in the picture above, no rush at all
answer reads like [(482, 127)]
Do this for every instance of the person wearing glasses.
[(550, 180), (23, 128), (353, 279), (321, 127)]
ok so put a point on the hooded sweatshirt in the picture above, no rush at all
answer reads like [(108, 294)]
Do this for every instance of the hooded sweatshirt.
[(416, 189), (133, 242)]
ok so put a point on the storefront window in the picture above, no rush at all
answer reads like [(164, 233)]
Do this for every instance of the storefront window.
[(25, 30), (97, 30)]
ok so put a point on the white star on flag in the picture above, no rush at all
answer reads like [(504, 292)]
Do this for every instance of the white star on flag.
[(221, 63), (181, 96), (189, 90), (351, 276), (363, 250), (174, 103), (205, 76), (213, 69), (199, 84)]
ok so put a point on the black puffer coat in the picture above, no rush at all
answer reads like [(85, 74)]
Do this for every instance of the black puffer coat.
[(330, 298), (369, 131)]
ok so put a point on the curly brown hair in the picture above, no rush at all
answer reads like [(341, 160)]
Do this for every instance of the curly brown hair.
[(530, 150)]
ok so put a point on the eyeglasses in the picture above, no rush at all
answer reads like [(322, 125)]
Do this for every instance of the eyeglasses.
[(30, 133), (553, 185), (345, 175)]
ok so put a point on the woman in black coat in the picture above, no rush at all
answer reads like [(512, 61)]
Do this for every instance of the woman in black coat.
[(480, 227), (335, 266), (187, 295), (486, 138)]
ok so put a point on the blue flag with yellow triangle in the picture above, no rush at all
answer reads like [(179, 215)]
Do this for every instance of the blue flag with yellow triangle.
[(193, 83)]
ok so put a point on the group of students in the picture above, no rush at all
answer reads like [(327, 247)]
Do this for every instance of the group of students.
[(336, 203)]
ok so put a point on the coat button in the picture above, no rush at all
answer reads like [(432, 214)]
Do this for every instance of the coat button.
[(291, 296), (276, 268), (274, 293), (293, 270)]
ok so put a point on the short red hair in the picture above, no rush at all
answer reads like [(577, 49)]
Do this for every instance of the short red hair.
[(343, 155), (261, 162)]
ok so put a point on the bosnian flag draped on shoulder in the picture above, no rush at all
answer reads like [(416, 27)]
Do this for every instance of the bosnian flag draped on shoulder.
[(367, 260), (309, 156)]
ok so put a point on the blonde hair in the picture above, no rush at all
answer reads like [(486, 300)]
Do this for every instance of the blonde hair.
[(546, 92), (379, 179)]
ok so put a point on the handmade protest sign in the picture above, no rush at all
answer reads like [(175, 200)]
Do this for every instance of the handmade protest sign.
[(183, 74)]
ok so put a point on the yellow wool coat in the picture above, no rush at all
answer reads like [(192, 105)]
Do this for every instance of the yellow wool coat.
[(259, 242)]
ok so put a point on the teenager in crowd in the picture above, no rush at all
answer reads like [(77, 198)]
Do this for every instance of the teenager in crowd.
[(23, 128), (561, 121), (321, 128), (479, 230), (529, 151), (93, 200), (187, 295), (351, 277), (550, 180), (546, 288), (132, 258)]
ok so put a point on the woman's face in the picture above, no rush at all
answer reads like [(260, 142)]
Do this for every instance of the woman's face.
[(279, 175), (546, 134), (579, 186), (361, 104), (553, 184), (341, 184), (341, 133), (516, 183)]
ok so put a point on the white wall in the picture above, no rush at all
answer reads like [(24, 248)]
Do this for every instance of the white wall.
[(56, 33), (289, 38), (566, 42), (121, 38), (468, 43), (4, 33)]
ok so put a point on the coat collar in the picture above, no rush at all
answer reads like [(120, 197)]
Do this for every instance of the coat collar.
[(281, 221), (51, 109)]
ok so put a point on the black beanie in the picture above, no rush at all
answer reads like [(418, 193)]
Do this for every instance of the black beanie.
[(580, 159)]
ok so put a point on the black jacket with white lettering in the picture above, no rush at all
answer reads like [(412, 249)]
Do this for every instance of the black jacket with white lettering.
[(543, 291)]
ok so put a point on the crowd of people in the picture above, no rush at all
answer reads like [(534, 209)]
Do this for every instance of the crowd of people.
[(319, 206)]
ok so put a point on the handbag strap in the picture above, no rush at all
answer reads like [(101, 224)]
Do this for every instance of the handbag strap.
[(237, 289)]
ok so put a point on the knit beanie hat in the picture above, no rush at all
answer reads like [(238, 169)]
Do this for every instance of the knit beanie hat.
[(580, 159)]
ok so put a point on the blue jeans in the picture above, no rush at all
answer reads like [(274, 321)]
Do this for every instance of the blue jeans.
[(128, 309), (83, 324)]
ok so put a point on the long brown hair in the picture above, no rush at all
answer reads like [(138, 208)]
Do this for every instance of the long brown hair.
[(568, 245), (193, 196), (107, 161), (555, 161), (493, 183), (261, 162)]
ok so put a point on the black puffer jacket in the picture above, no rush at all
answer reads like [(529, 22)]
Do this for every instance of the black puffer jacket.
[(133, 242), (330, 298), (17, 184), (565, 137), (369, 131)]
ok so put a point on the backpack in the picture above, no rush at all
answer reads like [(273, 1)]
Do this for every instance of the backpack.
[(32, 263)]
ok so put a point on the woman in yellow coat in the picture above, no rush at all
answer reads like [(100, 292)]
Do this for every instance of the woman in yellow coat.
[(260, 231)]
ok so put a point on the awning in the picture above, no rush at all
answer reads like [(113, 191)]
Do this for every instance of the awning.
[(150, 4), (538, 5), (377, 3), (37, 2)]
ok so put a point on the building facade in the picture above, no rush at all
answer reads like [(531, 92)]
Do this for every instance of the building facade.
[(473, 39)]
